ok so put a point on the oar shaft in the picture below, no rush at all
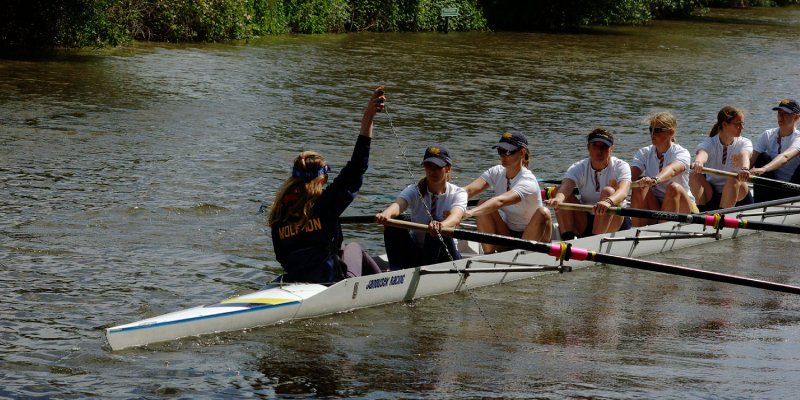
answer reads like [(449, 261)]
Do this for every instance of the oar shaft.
[(694, 273), (715, 221), (567, 251), (758, 180)]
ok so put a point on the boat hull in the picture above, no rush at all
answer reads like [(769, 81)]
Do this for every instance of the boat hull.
[(284, 302)]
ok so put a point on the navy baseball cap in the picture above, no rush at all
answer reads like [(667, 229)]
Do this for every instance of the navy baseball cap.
[(437, 154), (788, 105), (512, 141)]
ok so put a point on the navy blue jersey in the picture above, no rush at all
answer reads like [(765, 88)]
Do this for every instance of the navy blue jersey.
[(308, 253)]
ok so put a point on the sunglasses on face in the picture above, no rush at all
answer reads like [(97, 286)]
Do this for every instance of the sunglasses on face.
[(658, 130), (506, 153)]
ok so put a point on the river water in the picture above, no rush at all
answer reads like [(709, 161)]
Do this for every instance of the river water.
[(130, 181)]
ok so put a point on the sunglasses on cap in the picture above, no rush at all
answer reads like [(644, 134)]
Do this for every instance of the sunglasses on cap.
[(658, 130), (506, 153)]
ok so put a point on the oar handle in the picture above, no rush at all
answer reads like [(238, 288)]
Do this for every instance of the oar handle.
[(396, 223), (719, 172), (584, 207), (758, 180)]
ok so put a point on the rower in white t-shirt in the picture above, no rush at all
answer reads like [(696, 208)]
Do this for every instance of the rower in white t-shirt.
[(775, 153), (601, 179), (516, 209), (661, 171), (725, 149)]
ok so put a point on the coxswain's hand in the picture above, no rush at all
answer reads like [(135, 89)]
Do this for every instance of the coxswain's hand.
[(376, 101)]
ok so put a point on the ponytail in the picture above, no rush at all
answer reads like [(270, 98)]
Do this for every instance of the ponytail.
[(297, 195), (726, 114)]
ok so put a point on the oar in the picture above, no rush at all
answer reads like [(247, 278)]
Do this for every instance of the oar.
[(757, 180), (546, 193), (566, 251), (713, 220)]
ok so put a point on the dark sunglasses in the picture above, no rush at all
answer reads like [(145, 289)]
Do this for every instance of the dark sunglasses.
[(658, 130), (504, 152)]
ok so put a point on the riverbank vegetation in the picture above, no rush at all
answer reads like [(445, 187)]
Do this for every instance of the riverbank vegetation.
[(77, 23)]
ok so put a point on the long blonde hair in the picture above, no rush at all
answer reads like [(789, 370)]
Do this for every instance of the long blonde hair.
[(664, 118), (726, 114), (296, 197)]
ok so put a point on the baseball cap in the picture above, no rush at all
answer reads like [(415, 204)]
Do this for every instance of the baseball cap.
[(437, 154), (512, 141), (788, 105)]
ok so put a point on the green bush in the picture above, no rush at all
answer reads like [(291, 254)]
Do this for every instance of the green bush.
[(74, 23), (317, 16), (420, 15)]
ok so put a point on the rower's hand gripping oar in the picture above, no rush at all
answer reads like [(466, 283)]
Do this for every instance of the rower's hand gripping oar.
[(716, 221), (757, 180), (566, 251)]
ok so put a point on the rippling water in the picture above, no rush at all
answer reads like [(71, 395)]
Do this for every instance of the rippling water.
[(131, 179)]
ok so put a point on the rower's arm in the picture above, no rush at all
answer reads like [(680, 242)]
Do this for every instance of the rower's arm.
[(700, 160), (621, 192), (495, 203), (781, 159), (754, 157), (566, 188), (636, 173), (672, 169), (476, 187), (394, 209), (454, 218)]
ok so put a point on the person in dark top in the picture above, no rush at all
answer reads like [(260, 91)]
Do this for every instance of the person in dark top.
[(304, 217)]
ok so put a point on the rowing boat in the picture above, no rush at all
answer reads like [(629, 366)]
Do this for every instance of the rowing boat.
[(281, 302)]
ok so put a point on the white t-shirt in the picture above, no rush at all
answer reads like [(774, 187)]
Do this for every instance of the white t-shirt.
[(516, 216), (732, 162), (646, 159), (453, 197), (768, 143), (583, 175)]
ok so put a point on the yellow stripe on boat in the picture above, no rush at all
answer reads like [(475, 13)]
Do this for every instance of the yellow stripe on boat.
[(257, 300)]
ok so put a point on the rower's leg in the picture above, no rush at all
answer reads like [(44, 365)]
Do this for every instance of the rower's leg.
[(643, 197), (607, 222), (676, 199), (700, 188), (733, 191), (540, 228), (491, 223), (570, 222)]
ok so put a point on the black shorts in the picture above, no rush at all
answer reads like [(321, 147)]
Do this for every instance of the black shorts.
[(713, 204)]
